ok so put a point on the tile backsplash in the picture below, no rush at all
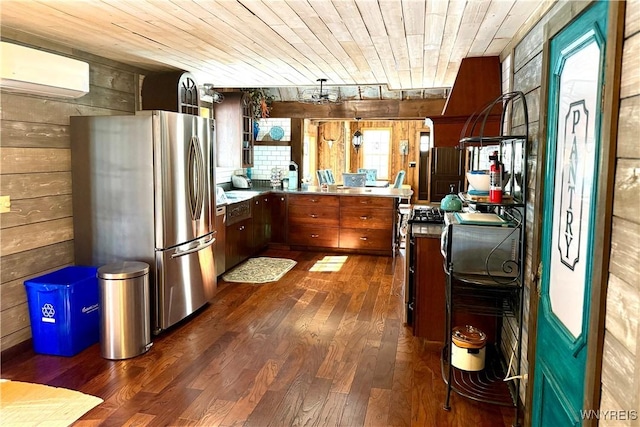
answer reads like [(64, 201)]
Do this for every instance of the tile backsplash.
[(267, 124), (265, 158)]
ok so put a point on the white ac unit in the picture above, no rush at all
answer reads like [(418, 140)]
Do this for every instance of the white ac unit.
[(33, 71)]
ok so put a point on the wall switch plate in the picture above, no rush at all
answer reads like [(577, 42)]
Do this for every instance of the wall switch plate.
[(5, 204), (412, 164)]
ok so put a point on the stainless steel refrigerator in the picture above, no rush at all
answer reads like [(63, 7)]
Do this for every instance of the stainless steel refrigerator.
[(142, 190)]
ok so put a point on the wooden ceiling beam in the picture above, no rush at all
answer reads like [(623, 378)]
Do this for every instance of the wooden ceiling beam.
[(370, 109)]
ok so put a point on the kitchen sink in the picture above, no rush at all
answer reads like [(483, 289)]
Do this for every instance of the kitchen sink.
[(236, 195)]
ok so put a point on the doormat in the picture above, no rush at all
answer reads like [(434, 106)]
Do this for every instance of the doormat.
[(260, 270), (27, 404)]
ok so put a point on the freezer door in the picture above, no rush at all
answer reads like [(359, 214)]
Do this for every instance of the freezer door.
[(183, 175), (185, 280)]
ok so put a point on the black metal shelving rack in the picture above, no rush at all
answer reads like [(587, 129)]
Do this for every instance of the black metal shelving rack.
[(500, 296)]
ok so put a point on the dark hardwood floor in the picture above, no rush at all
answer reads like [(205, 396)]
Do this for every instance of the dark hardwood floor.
[(313, 349)]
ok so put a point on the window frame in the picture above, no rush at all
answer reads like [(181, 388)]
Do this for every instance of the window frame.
[(389, 129)]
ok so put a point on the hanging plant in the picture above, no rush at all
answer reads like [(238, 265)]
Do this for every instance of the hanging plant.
[(260, 102)]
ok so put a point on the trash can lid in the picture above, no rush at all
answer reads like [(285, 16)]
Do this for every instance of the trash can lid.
[(123, 270)]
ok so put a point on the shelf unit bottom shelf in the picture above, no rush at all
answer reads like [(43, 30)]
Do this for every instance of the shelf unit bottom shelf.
[(486, 385)]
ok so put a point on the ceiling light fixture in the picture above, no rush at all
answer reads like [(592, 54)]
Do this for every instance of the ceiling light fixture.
[(357, 136), (320, 95)]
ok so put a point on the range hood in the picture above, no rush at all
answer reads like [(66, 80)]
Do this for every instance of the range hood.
[(32, 71), (477, 83)]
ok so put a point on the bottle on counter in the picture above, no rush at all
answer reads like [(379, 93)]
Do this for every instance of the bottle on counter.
[(293, 176)]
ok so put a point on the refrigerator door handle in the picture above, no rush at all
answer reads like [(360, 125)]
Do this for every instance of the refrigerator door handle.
[(197, 178), (178, 253)]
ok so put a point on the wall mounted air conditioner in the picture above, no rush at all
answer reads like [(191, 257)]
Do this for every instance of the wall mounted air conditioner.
[(33, 71)]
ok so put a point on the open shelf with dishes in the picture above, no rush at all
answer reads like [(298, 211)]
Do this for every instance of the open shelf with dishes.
[(484, 263)]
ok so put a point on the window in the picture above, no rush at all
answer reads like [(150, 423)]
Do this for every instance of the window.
[(425, 141), (376, 150)]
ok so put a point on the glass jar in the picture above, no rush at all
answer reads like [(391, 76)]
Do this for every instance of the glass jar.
[(276, 178)]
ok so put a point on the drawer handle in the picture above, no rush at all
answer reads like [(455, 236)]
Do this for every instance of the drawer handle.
[(363, 238), (313, 215), (282, 199), (364, 217), (315, 236), (314, 200)]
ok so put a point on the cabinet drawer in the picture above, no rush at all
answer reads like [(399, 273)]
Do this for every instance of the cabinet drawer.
[(313, 199), (359, 201), (309, 235), (314, 215), (356, 238), (366, 217)]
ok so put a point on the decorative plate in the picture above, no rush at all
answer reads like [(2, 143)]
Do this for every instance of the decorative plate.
[(276, 133)]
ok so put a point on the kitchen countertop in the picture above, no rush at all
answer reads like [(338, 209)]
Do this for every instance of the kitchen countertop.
[(427, 230), (235, 196)]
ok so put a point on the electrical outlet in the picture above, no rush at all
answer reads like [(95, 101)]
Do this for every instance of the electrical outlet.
[(5, 204)]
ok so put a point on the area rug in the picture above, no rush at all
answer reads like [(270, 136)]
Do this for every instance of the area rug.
[(260, 270), (27, 404)]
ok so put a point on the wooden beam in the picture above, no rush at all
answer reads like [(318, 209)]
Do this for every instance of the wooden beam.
[(374, 109)]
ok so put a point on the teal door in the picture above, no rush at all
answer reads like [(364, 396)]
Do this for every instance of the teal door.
[(573, 138)]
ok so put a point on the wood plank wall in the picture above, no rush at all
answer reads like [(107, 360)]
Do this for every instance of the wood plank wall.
[(621, 358), (342, 157), (621, 353), (35, 162), (525, 65)]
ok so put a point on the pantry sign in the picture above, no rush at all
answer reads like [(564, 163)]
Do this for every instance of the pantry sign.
[(572, 183)]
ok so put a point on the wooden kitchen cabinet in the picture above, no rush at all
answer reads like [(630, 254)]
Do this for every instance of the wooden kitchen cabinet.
[(239, 242), (366, 239), (367, 223), (234, 131), (429, 282), (172, 91), (313, 235), (313, 220), (278, 218), (261, 214)]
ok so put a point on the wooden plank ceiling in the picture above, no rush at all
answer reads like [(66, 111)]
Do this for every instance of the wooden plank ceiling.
[(389, 49)]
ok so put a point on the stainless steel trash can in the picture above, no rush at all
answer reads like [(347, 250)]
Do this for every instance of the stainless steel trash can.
[(125, 321)]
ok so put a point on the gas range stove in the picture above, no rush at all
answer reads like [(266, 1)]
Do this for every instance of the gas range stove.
[(426, 215)]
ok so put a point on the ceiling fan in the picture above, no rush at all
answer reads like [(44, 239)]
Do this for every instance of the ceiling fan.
[(320, 95)]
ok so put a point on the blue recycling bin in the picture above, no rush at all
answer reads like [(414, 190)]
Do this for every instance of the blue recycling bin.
[(63, 310)]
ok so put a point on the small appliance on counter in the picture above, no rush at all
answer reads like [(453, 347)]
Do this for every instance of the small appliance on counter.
[(293, 176), (240, 181)]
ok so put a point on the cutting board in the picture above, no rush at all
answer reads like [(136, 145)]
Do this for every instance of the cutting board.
[(477, 218), (506, 198)]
